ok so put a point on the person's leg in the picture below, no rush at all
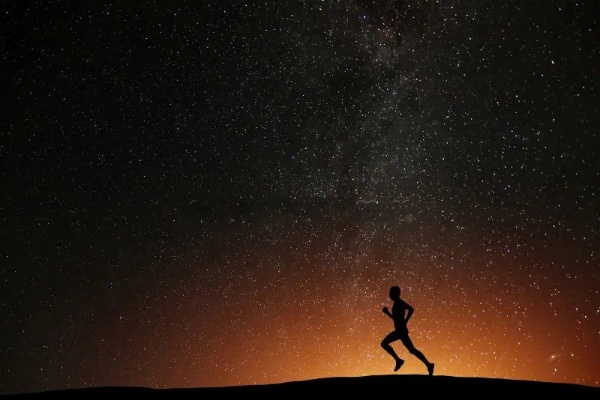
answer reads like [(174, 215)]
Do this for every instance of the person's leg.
[(413, 350), (385, 343)]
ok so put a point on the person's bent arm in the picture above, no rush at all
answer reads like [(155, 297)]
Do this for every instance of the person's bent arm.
[(387, 312), (410, 312)]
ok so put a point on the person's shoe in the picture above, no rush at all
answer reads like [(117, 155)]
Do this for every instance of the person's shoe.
[(398, 364), (430, 368)]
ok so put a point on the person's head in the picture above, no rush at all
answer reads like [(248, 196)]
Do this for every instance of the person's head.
[(395, 292)]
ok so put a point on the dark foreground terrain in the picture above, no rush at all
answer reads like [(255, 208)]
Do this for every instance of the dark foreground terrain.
[(385, 386)]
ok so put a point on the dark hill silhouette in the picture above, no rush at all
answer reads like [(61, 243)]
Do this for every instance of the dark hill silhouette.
[(398, 386)]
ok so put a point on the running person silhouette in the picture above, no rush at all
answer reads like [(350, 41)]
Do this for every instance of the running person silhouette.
[(400, 331)]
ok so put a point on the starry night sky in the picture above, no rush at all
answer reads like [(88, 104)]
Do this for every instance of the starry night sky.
[(212, 193)]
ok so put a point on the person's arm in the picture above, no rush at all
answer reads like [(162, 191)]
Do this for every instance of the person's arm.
[(387, 312), (410, 311)]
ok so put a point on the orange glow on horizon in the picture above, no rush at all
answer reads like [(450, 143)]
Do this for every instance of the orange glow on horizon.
[(279, 317), (318, 327)]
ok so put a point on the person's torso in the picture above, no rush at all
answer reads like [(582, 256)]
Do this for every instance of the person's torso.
[(398, 310)]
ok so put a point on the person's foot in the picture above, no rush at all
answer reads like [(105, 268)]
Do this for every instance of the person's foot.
[(430, 368), (398, 364)]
